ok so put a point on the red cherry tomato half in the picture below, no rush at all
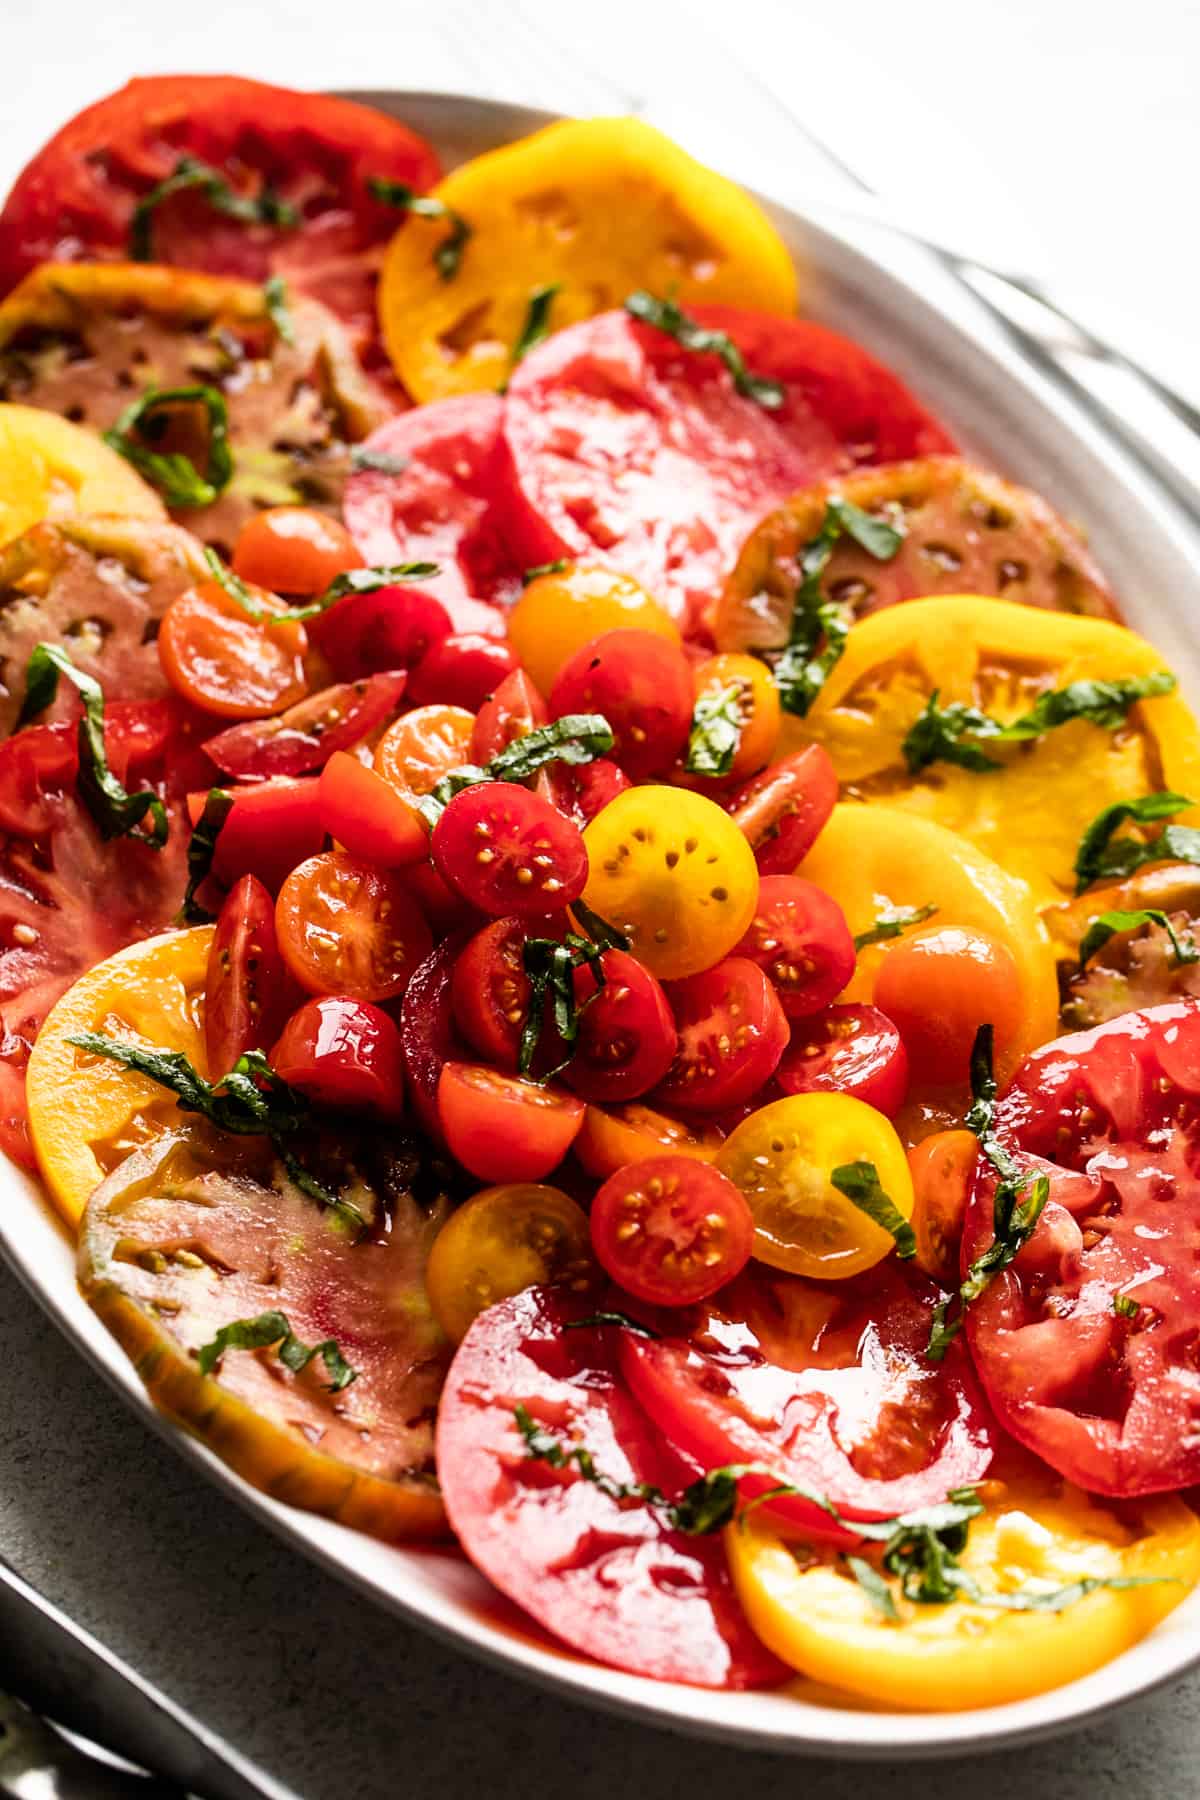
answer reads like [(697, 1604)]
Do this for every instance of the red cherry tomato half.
[(306, 735), (367, 816), (579, 791), (461, 670), (390, 628), (247, 990), (507, 851), (445, 910), (732, 1033), (513, 711), (491, 992), (343, 1054), (781, 811), (346, 927), (800, 939), (294, 550), (607, 1577), (626, 1039), (502, 1128), (642, 683), (268, 830), (428, 1037), (671, 1230), (847, 1050), (44, 759)]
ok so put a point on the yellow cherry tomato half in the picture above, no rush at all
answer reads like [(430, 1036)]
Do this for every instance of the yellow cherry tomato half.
[(674, 873), (783, 1157), (87, 1113), (1037, 1535), (503, 1240), (594, 207), (742, 687), (563, 610), (51, 469)]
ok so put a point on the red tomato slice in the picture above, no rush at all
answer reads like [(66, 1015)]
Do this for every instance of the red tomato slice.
[(671, 1230), (847, 1050), (75, 200), (579, 791), (461, 670), (427, 1033), (307, 734), (268, 830), (490, 991), (502, 1128), (828, 1386), (643, 686), (43, 760), (781, 811), (448, 504), (506, 850), (800, 939), (626, 1040), (389, 628), (247, 990), (1109, 1399), (343, 1054), (511, 712), (732, 1033), (632, 451), (607, 1577), (367, 816)]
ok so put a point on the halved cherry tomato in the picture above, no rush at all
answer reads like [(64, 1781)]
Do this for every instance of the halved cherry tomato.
[(673, 873), (581, 790), (671, 1230), (427, 1034), (750, 692), (247, 990), (345, 1054), (307, 734), (366, 815), (642, 684), (938, 986), (388, 628), (502, 1241), (561, 611), (513, 711), (346, 927), (613, 1136), (732, 1033), (269, 829), (44, 759), (218, 657), (781, 811), (294, 550), (626, 1037), (942, 1166), (799, 937), (422, 746), (508, 851), (847, 1050), (461, 670), (502, 1128), (491, 991), (445, 910)]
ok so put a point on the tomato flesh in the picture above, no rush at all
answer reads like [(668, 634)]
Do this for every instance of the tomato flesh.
[(388, 628), (671, 1230), (367, 816), (305, 736), (224, 661), (782, 810), (847, 1050), (343, 1054), (506, 850), (346, 927), (800, 939), (44, 759), (512, 711), (502, 1128), (615, 1135), (642, 684), (427, 1032), (938, 986), (490, 992), (626, 1037), (732, 1033), (581, 790), (246, 991)]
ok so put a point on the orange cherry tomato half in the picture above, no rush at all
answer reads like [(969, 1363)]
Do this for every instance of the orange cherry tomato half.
[(367, 816), (346, 927), (502, 1128), (800, 939), (781, 811), (506, 850), (422, 746), (938, 986), (294, 550), (671, 1230), (344, 1054), (222, 660), (612, 1136), (732, 1033), (749, 690), (852, 1050), (942, 1168), (247, 991)]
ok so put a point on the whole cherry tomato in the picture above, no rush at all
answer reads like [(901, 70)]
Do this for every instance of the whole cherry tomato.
[(671, 1230), (346, 927), (294, 550), (782, 810), (515, 709), (366, 815), (626, 1033), (461, 670), (247, 990), (847, 1050), (562, 610), (389, 628), (224, 661), (344, 1054), (508, 851), (642, 684), (799, 937), (939, 986), (502, 1128), (732, 1033)]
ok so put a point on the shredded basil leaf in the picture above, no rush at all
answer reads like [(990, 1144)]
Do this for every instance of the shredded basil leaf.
[(116, 812), (893, 925), (1125, 1306), (190, 173), (945, 733), (872, 1583), (575, 738), (352, 581), (801, 671), (175, 475), (200, 851), (551, 568), (537, 320), (273, 1328), (275, 295), (860, 1183), (716, 731), (668, 317), (1058, 1599), (550, 968), (594, 1321), (448, 255), (598, 929), (1109, 924), (1100, 857), (381, 462)]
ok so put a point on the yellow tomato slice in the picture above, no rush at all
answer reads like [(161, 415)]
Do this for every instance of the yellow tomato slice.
[(674, 873), (1037, 1534), (502, 1241), (877, 861), (1029, 814), (783, 1156), (561, 611), (86, 1113), (597, 207), (51, 469)]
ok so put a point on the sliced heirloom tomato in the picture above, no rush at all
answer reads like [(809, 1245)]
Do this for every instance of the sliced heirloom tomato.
[(852, 1050), (562, 609), (626, 1031), (799, 937), (506, 850), (782, 811), (247, 990), (366, 815), (607, 1577), (502, 1128), (671, 1230), (223, 661), (732, 1033), (53, 469), (347, 927), (344, 1054), (642, 684), (502, 1241), (613, 1136), (304, 737)]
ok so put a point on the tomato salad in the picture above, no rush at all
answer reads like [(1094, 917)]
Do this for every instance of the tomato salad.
[(598, 932)]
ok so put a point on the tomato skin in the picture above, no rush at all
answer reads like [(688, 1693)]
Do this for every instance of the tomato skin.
[(800, 939), (367, 816), (502, 1128), (445, 910), (307, 734), (343, 1054), (507, 851), (346, 927), (626, 1040), (938, 986), (503, 1240), (389, 628), (559, 612), (513, 711), (490, 992), (43, 758), (428, 1036), (461, 670), (782, 810), (942, 1166), (247, 990), (422, 746), (218, 657), (294, 550), (847, 1050), (642, 684), (581, 790), (732, 1033), (614, 1136), (671, 1230), (269, 829)]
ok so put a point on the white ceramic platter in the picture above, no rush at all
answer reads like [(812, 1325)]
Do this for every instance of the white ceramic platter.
[(1009, 414)]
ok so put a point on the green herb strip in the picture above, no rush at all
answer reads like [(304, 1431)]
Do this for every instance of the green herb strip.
[(953, 733), (449, 253), (550, 967), (353, 581), (596, 1321), (1101, 858), (860, 1183), (802, 671), (537, 320), (575, 738), (666, 316), (116, 813), (1125, 1306), (379, 462), (717, 723), (1109, 924), (893, 925), (275, 297), (190, 174), (174, 475), (201, 849), (273, 1328), (558, 567)]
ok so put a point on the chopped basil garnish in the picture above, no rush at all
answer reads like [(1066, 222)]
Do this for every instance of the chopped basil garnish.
[(860, 1183), (190, 173), (380, 462), (893, 925), (666, 316), (953, 733), (551, 568), (716, 731), (275, 295), (273, 1328), (537, 320), (353, 581), (1102, 857), (1125, 1306), (598, 929), (575, 738), (200, 851), (594, 1322), (874, 1586), (116, 813), (801, 672), (1109, 924), (448, 255), (175, 475), (550, 968)]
